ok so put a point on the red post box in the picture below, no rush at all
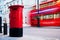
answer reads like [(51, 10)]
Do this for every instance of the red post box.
[(16, 27)]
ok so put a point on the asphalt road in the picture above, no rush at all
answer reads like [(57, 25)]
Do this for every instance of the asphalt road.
[(36, 33)]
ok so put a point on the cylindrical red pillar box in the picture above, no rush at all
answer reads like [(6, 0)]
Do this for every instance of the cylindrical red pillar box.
[(16, 27)]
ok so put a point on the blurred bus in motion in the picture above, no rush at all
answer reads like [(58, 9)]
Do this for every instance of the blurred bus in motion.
[(49, 14)]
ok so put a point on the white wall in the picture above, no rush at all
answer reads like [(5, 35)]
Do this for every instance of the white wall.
[(26, 11)]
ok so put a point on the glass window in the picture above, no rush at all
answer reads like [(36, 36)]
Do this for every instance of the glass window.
[(56, 15), (42, 6), (41, 17), (51, 16), (33, 17), (43, 0), (51, 3), (45, 5), (44, 17), (54, 3), (47, 16)]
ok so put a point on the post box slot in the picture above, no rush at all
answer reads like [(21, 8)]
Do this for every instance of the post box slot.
[(14, 8)]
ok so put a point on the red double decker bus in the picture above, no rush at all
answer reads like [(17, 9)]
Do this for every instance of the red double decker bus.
[(49, 14)]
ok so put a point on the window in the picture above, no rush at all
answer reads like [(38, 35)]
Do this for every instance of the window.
[(42, 6), (35, 17), (56, 15), (41, 17), (47, 4), (44, 0), (44, 17), (47, 16), (51, 16), (51, 3)]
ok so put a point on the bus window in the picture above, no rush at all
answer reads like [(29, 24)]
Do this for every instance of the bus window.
[(42, 6), (51, 3), (44, 17), (51, 16), (45, 5), (41, 17), (47, 16), (35, 17), (56, 16), (54, 3)]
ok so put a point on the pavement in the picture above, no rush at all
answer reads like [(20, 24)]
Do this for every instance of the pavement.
[(36, 33)]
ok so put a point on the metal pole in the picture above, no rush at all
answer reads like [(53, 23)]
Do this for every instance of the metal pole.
[(0, 24), (5, 27), (38, 19)]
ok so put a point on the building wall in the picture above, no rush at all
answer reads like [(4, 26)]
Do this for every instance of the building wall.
[(6, 11), (26, 11), (27, 8)]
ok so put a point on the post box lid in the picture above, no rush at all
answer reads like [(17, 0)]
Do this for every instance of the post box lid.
[(16, 6)]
